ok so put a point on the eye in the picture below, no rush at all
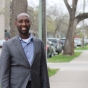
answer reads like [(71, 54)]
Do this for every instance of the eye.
[(20, 21), (27, 21)]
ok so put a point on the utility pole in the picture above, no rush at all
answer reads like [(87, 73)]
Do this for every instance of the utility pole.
[(83, 34), (42, 20)]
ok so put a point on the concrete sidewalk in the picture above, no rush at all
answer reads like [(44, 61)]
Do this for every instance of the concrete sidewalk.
[(71, 75)]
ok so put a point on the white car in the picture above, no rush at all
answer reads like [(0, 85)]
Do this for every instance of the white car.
[(78, 41), (1, 42)]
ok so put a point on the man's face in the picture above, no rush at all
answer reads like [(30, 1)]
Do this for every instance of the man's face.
[(23, 24)]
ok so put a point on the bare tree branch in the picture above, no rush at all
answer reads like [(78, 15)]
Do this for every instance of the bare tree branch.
[(82, 17), (74, 5), (68, 6)]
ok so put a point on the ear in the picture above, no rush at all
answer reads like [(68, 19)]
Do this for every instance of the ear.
[(15, 23)]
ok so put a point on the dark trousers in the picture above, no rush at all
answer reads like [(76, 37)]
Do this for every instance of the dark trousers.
[(29, 84)]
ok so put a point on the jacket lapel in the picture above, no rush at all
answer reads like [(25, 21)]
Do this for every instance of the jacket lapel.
[(20, 49), (34, 41)]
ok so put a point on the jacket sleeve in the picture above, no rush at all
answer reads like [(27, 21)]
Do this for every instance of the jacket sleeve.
[(44, 70), (5, 67)]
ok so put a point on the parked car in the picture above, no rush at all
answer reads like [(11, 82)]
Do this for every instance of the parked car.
[(57, 44), (50, 49), (63, 42), (1, 43), (85, 41), (75, 44), (78, 41)]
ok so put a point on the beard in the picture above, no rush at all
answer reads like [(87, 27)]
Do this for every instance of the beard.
[(23, 32)]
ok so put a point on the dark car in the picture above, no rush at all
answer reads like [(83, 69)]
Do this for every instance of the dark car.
[(57, 44), (50, 49), (63, 42)]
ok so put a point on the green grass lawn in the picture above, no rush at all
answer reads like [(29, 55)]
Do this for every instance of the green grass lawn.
[(63, 58), (51, 72), (82, 48)]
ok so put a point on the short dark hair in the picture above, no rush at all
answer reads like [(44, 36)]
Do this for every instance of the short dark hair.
[(21, 15), (5, 30)]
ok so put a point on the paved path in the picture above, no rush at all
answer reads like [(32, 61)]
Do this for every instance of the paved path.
[(71, 75)]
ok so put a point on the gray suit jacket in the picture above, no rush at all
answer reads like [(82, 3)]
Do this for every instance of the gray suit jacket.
[(15, 68)]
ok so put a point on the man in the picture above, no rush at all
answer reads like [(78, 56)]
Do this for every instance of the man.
[(7, 35), (23, 62)]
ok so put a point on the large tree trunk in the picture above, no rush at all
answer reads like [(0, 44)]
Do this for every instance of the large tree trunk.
[(18, 6), (69, 43)]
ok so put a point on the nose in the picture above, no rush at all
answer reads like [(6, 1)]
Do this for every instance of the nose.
[(23, 24)]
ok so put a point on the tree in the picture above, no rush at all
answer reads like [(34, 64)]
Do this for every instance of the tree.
[(34, 19), (57, 21), (61, 25), (50, 25), (18, 6), (73, 21)]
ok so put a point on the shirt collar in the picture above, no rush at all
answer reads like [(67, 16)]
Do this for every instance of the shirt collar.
[(29, 39)]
